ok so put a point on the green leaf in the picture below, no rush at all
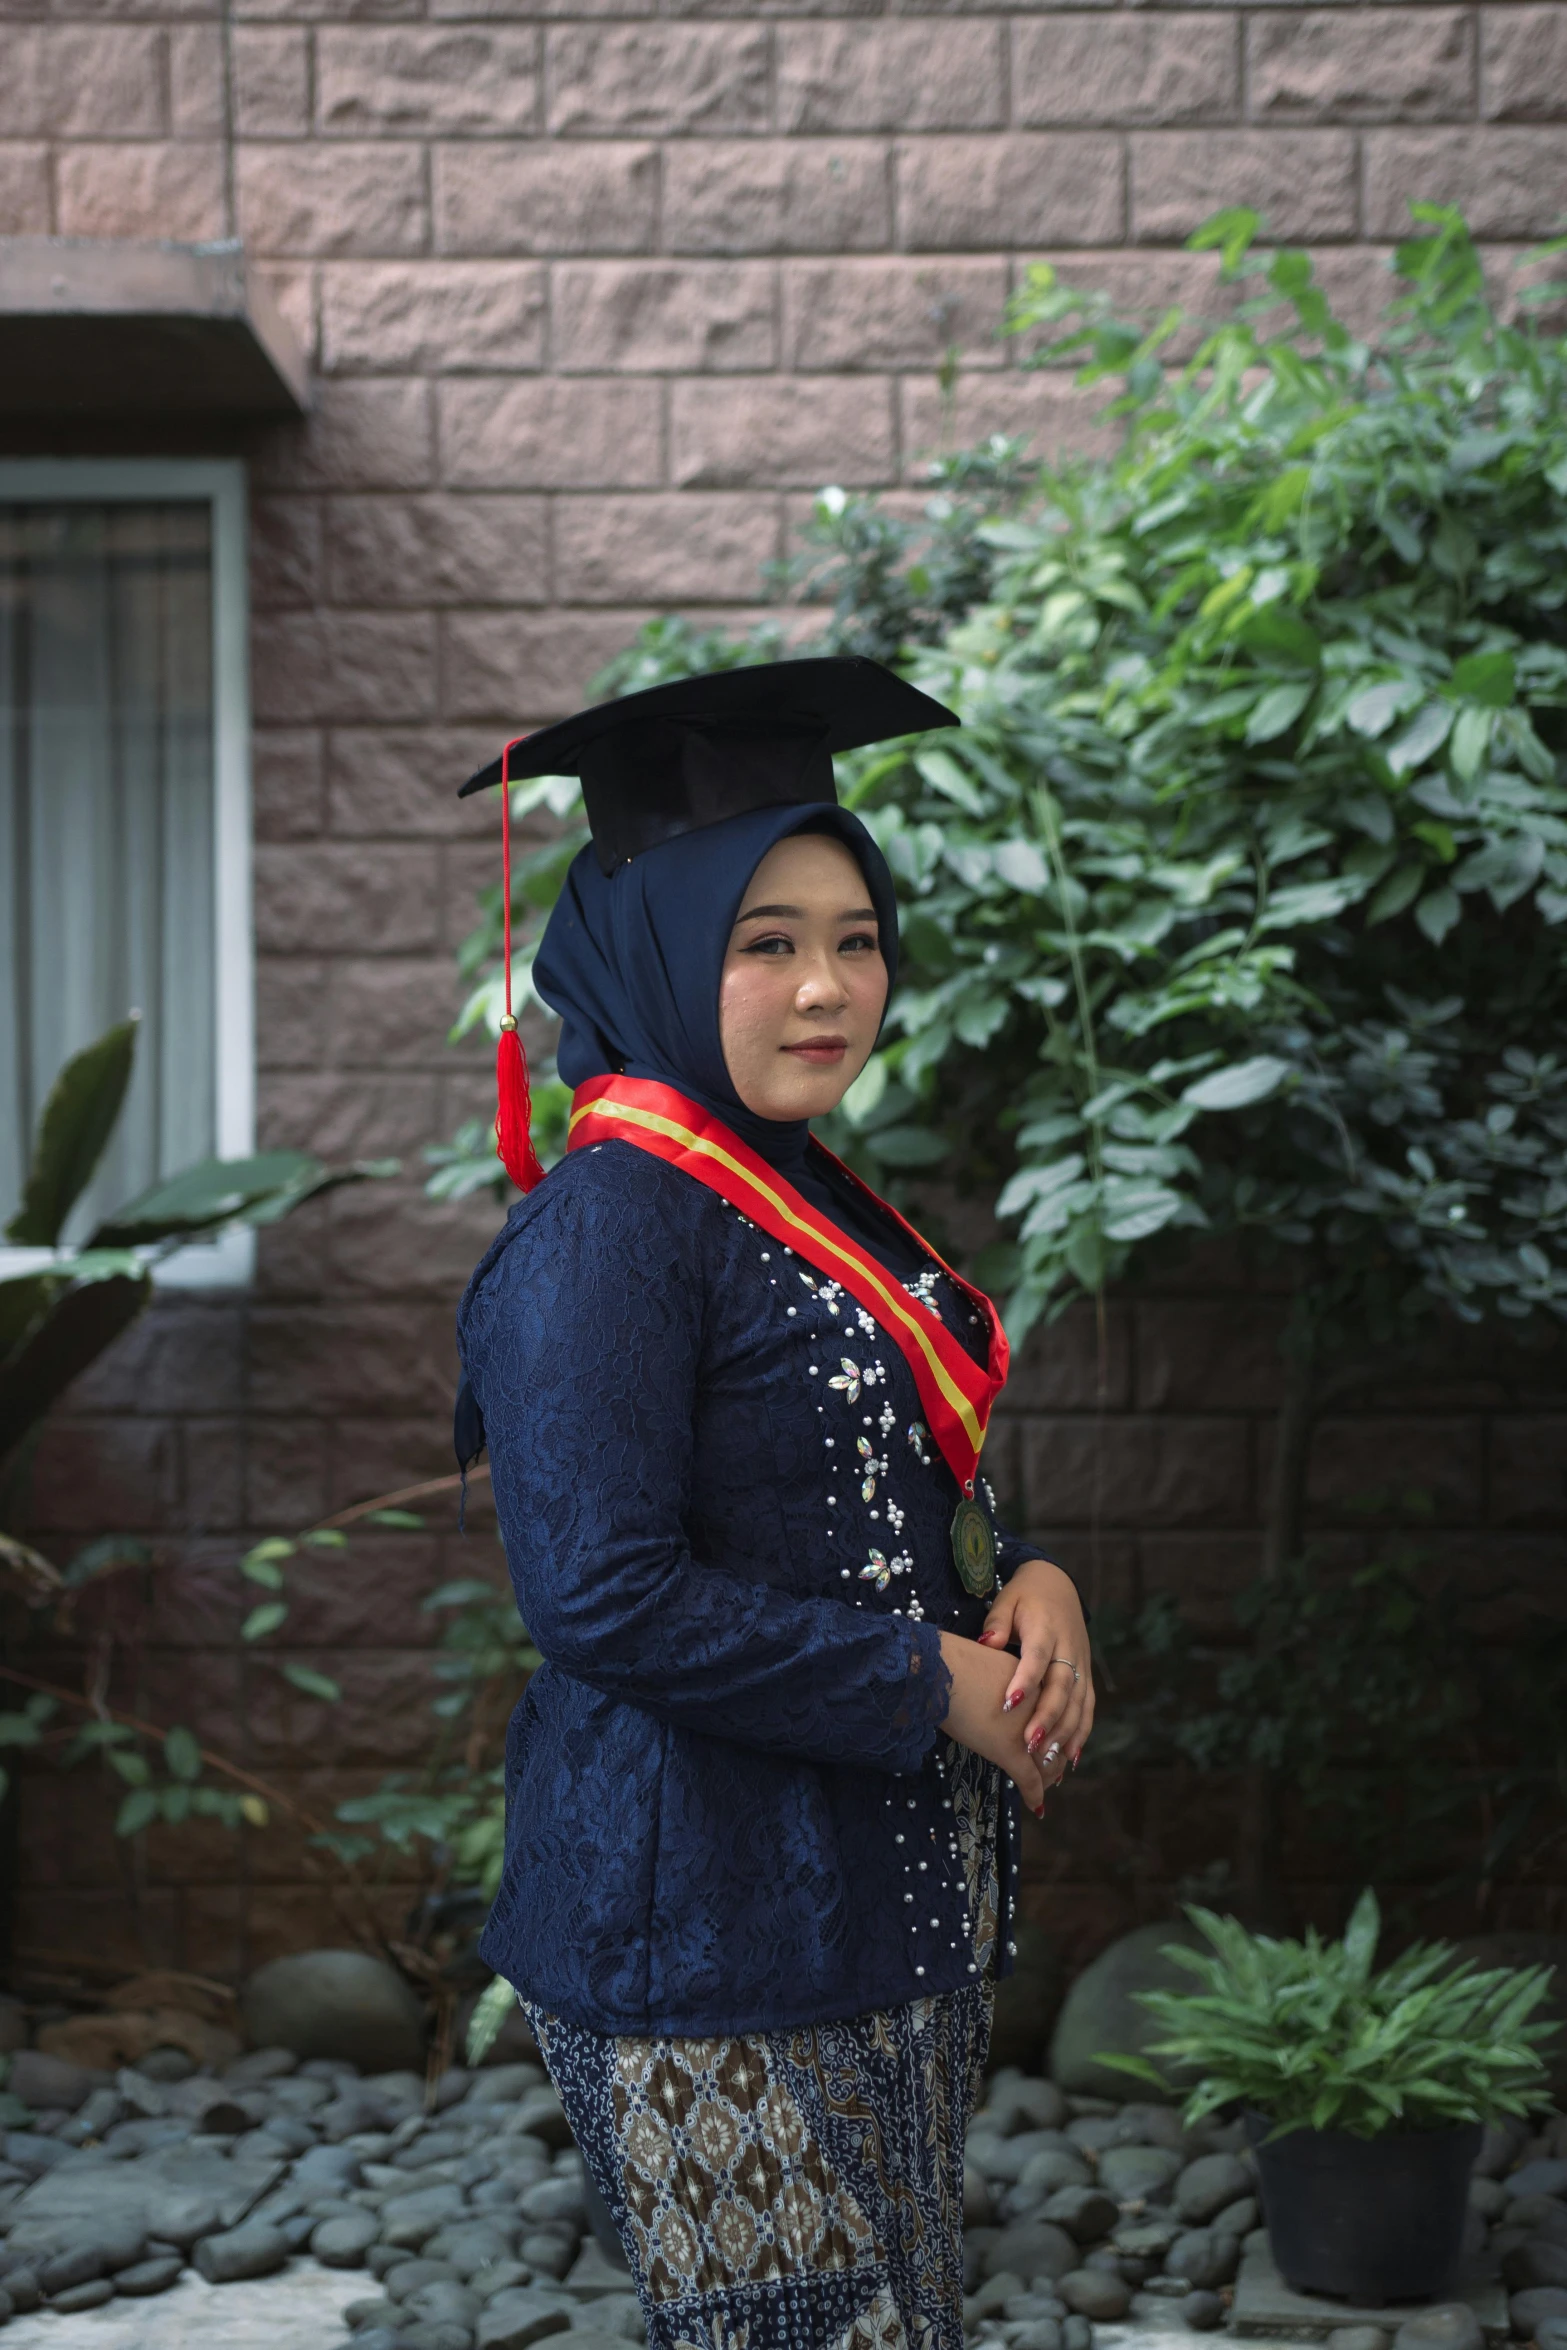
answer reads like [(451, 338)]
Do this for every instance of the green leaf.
[(404, 1520), (490, 2010), (205, 1196), (138, 1811), (181, 1754), (1237, 1087), (313, 1684), (80, 1114), (78, 1324), (1471, 739), (1374, 709), (1278, 710), (1401, 886), (1487, 678), (264, 1619), (1422, 739)]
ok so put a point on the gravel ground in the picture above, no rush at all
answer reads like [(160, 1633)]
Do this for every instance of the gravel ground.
[(287, 2203)]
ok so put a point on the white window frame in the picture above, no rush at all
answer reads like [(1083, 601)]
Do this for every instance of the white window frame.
[(219, 482)]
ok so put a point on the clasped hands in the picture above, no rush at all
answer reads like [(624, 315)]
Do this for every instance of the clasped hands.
[(1025, 1711)]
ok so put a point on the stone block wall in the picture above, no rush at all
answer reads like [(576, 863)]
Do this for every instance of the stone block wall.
[(595, 297)]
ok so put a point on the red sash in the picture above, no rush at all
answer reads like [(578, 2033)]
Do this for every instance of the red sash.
[(956, 1393)]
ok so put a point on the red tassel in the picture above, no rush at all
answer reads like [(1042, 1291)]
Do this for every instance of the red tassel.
[(513, 1142), (514, 1106)]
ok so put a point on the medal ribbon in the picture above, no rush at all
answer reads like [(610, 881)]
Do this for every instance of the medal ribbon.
[(956, 1393)]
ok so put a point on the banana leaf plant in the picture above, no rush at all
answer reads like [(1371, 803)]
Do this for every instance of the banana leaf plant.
[(66, 1306)]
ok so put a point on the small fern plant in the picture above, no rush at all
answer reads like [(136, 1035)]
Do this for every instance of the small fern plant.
[(1313, 2036)]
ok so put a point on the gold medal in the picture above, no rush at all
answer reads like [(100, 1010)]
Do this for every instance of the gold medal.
[(974, 1549)]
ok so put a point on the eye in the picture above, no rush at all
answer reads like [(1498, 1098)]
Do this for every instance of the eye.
[(777, 942), (858, 942)]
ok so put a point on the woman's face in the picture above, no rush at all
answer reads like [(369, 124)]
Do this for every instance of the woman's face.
[(803, 984)]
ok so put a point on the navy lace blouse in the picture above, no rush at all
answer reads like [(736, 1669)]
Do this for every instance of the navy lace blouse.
[(727, 1528)]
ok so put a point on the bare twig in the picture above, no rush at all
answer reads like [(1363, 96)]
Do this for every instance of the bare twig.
[(397, 1500)]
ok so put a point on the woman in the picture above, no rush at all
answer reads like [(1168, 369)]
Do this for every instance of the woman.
[(760, 1872)]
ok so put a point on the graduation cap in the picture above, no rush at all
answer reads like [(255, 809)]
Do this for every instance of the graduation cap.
[(683, 755)]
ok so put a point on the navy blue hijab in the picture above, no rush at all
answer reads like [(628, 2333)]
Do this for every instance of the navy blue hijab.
[(632, 962)]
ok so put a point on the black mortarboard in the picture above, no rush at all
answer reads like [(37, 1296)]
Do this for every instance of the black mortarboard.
[(681, 755), (699, 749)]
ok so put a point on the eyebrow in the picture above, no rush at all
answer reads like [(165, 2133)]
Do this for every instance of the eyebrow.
[(797, 914)]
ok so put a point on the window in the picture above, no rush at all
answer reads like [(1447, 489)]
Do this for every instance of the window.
[(124, 814)]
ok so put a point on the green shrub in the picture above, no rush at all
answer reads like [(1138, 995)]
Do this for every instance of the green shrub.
[(1309, 2035)]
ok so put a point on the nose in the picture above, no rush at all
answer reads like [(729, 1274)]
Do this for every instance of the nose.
[(821, 987)]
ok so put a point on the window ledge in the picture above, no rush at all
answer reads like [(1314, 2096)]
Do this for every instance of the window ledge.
[(94, 327)]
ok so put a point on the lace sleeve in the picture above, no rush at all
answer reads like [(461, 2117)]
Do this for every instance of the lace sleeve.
[(1015, 1550), (582, 1341)]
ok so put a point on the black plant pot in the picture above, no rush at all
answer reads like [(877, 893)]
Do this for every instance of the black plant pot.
[(1366, 2219)]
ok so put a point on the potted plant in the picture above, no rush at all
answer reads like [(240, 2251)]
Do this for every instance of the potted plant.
[(1364, 2090)]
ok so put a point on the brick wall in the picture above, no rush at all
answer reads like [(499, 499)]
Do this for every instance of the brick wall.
[(595, 300)]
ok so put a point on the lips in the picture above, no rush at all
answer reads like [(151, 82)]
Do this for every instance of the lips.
[(823, 1052)]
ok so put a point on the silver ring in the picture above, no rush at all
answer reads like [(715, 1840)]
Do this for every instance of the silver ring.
[(1071, 1668)]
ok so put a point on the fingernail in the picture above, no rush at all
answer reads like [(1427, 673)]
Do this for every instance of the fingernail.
[(1012, 1698), (985, 1638), (1077, 1758), (1053, 1749), (1039, 1811), (1034, 1741)]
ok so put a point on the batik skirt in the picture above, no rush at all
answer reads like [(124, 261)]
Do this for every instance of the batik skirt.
[(799, 2189)]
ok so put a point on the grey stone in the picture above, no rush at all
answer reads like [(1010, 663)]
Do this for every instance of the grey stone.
[(370, 2314), (32, 2155), (330, 2167), (1029, 2248), (410, 2277), (1536, 2261), (92, 2294), (977, 2207), (446, 2302), (1054, 2167), (1546, 2176), (1237, 2219), (504, 2277), (441, 2146), (149, 2276), (548, 2250), (408, 2219), (1528, 2309), (1095, 2292), (1095, 2133), (1036, 2333), (1205, 2186), (1086, 2213), (1541, 2215), (1137, 2173), (511, 2321), (1449, 2325), (1202, 2311), (336, 2003), (434, 2334), (1149, 2238), (343, 2243), (168, 2064), (262, 2066), (1100, 2015), (113, 2241), (503, 2084), (1015, 2101), (540, 2112), (22, 2289), (1151, 2125), (1203, 2257), (253, 2250), (1077, 2333), (593, 2274), (100, 2112), (592, 2337), (1358, 2338), (44, 2081), (1551, 2333)]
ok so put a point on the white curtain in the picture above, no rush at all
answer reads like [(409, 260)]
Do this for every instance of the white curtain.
[(106, 787)]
